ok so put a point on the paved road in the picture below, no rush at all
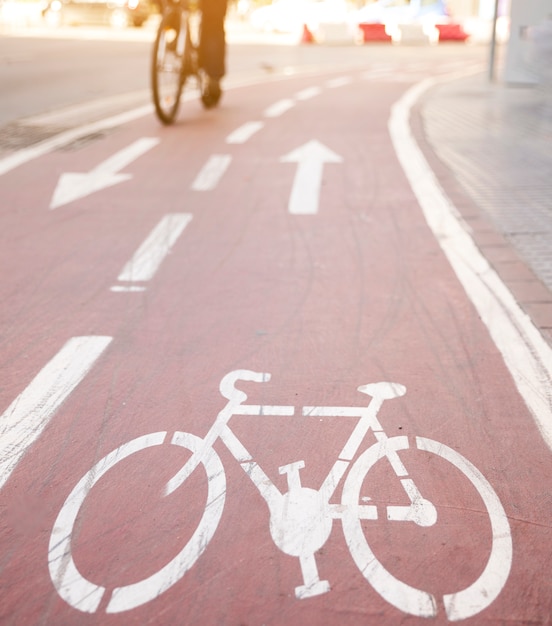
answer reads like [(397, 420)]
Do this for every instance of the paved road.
[(152, 279), (57, 78)]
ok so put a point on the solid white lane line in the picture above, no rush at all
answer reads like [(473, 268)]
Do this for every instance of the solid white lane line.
[(27, 416), (279, 108), (244, 133), (149, 256), (308, 93), (525, 352), (74, 114), (28, 154), (210, 174)]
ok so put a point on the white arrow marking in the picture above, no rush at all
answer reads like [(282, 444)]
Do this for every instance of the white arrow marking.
[(305, 193), (72, 186)]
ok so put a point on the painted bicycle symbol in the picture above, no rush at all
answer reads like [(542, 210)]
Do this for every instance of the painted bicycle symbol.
[(300, 519)]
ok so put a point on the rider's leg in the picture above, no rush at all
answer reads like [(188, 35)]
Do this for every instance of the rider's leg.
[(212, 48)]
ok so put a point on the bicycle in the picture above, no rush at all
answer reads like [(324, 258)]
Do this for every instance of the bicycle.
[(175, 58), (300, 519)]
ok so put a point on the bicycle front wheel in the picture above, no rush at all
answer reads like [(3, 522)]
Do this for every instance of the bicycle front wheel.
[(167, 74), (462, 604)]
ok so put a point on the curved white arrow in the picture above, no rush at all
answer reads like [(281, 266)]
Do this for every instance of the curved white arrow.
[(72, 186), (305, 194)]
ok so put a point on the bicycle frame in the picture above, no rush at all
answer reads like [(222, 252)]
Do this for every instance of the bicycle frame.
[(302, 518)]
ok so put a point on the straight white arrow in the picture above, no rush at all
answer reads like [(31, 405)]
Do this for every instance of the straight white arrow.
[(305, 194), (72, 186)]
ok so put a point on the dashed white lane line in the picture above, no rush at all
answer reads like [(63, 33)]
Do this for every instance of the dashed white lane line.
[(29, 414), (210, 174), (279, 108), (340, 81), (308, 93), (128, 288), (21, 157), (149, 256), (282, 106), (524, 350), (244, 132)]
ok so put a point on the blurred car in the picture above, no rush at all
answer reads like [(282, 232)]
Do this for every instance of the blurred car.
[(402, 12), (116, 13)]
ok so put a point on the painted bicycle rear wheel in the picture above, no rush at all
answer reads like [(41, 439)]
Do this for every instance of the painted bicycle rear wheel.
[(88, 596)]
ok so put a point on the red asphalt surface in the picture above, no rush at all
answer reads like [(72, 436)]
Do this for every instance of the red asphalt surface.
[(356, 294)]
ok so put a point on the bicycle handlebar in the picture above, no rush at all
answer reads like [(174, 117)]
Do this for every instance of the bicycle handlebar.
[(236, 397), (228, 383), (379, 391), (383, 391)]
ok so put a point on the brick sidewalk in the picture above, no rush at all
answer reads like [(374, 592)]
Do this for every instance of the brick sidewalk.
[(492, 148)]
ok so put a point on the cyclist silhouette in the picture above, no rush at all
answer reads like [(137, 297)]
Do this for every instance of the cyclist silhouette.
[(212, 49)]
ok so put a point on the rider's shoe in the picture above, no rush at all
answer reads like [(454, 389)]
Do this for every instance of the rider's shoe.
[(210, 92)]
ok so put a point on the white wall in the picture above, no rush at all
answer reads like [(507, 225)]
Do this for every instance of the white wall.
[(527, 54)]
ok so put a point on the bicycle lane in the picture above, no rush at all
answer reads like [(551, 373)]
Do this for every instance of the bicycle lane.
[(326, 303)]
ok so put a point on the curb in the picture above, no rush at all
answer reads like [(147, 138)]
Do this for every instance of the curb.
[(529, 291)]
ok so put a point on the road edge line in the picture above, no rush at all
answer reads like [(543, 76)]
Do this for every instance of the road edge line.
[(526, 354)]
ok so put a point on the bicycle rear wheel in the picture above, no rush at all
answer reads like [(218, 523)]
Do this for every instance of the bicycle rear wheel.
[(167, 67), (87, 596)]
